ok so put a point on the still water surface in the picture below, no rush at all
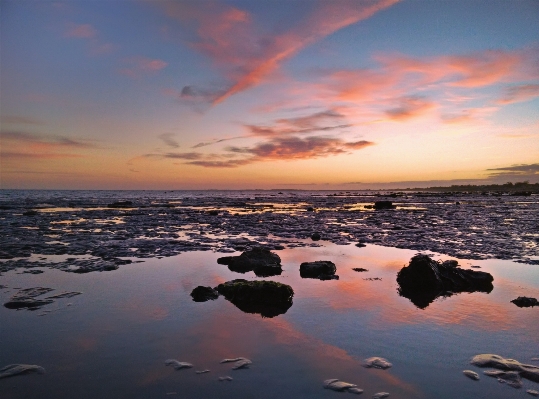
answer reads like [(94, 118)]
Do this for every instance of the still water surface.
[(112, 341)]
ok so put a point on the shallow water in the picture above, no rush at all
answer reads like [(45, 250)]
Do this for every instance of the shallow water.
[(112, 341)]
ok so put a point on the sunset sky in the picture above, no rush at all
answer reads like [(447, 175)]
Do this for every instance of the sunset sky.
[(268, 94)]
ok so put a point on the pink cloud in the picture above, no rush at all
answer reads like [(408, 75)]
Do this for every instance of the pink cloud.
[(139, 66), (519, 93), (228, 36), (410, 107), (82, 31)]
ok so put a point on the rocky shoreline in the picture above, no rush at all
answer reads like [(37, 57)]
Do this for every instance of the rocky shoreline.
[(93, 233)]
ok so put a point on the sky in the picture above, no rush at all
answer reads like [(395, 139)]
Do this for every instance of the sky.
[(304, 94)]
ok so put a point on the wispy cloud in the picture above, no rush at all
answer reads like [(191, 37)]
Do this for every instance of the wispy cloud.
[(168, 139), (17, 144), (524, 170), (139, 66), (520, 93), (322, 121), (284, 148), (410, 107), (228, 36), (80, 31), (23, 120)]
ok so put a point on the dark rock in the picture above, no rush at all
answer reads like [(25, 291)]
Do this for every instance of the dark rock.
[(213, 212), (260, 260), (359, 269), (203, 294), (120, 204), (383, 205), (27, 303), (328, 277), (225, 260), (525, 302), (267, 298), (361, 245), (318, 269), (315, 237), (30, 213), (310, 209), (425, 279)]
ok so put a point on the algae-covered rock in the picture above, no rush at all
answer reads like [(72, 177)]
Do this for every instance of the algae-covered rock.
[(267, 298), (321, 269), (425, 279)]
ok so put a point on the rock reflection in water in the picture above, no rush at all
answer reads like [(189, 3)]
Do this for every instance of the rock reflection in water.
[(425, 279), (267, 298)]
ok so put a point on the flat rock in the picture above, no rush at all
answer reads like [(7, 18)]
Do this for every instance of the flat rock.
[(527, 371), (202, 371), (533, 392), (357, 391), (178, 365), (511, 378), (225, 378), (337, 385), (380, 395), (359, 269), (16, 369), (377, 363), (471, 374), (241, 364)]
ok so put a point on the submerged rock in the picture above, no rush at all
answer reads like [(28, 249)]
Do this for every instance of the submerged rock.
[(178, 365), (25, 299), (202, 371), (336, 385), (377, 363), (471, 374), (511, 378), (203, 294), (525, 302), (226, 378), (267, 298), (261, 261), (425, 279), (16, 369), (321, 269), (380, 395), (527, 371)]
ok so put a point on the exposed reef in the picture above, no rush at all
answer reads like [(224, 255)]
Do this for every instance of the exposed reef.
[(93, 231)]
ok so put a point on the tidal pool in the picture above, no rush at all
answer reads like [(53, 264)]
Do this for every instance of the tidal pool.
[(112, 341)]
